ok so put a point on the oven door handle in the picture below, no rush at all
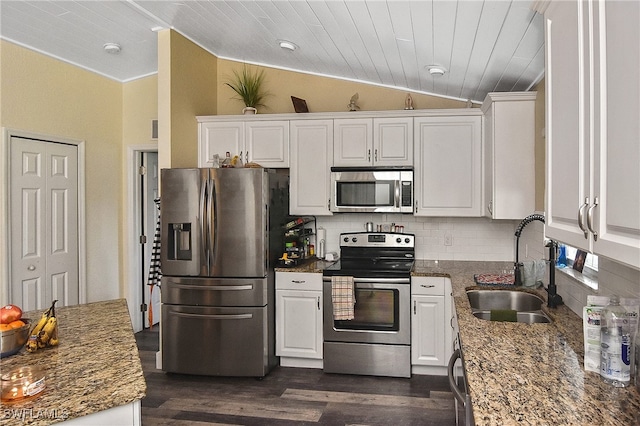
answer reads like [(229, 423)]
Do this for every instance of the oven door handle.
[(375, 280)]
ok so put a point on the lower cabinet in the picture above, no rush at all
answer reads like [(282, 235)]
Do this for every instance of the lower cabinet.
[(299, 319), (431, 322)]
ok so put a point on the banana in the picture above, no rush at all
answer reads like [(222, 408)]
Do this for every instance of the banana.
[(46, 333), (44, 330)]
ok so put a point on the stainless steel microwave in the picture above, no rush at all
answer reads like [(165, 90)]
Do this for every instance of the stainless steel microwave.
[(364, 190)]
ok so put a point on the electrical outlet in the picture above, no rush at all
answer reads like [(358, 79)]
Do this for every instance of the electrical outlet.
[(448, 239)]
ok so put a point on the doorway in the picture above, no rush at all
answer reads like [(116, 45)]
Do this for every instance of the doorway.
[(142, 189), (45, 195)]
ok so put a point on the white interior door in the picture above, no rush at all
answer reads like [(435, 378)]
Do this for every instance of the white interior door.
[(149, 218), (43, 223)]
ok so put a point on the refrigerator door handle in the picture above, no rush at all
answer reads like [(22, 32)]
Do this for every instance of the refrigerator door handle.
[(211, 215), (213, 316), (213, 287), (203, 225)]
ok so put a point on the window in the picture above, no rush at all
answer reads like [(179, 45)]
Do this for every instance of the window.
[(589, 275)]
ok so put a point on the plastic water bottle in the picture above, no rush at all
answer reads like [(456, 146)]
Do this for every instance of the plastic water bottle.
[(615, 344), (562, 256)]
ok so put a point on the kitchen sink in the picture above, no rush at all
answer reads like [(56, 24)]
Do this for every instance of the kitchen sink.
[(525, 317), (486, 300), (528, 306)]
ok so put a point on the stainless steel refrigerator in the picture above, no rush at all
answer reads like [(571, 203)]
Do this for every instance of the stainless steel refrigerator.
[(221, 235)]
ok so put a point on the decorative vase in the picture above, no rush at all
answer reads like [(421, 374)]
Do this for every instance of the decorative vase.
[(249, 110)]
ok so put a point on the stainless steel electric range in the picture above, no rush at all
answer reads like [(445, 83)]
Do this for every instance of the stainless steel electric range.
[(377, 341)]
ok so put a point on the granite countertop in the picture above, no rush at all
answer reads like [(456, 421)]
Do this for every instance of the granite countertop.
[(529, 373), (313, 265), (95, 367)]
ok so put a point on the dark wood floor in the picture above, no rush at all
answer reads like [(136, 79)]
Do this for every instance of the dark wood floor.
[(289, 396)]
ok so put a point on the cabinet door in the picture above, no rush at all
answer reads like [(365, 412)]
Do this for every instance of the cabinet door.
[(311, 151), (448, 166), (299, 324), (352, 142), (428, 330), (393, 141), (616, 219), (567, 125), (219, 138), (509, 155), (267, 143)]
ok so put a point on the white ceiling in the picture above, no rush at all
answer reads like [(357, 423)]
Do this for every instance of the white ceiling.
[(485, 45)]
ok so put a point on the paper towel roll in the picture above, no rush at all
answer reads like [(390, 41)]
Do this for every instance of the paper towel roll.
[(321, 243)]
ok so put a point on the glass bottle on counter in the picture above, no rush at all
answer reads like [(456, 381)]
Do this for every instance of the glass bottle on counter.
[(615, 344)]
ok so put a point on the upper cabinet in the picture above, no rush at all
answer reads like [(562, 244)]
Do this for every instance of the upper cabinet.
[(311, 151), (380, 142), (264, 142), (509, 157), (593, 126), (447, 165)]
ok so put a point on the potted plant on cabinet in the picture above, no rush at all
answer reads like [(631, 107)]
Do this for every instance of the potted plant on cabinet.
[(248, 86)]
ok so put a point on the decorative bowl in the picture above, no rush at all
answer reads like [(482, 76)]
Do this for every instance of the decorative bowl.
[(22, 383)]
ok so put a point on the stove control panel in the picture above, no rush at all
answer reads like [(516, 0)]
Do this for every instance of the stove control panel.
[(377, 239)]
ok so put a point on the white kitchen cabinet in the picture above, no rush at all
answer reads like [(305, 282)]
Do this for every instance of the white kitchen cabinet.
[(311, 153), (593, 108), (262, 142), (431, 324), (447, 165), (376, 142), (509, 155), (299, 335)]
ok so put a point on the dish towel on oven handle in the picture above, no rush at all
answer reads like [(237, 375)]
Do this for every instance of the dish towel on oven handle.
[(342, 297)]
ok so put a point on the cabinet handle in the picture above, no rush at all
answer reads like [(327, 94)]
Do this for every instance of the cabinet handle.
[(329, 204), (590, 218), (416, 204), (246, 157), (318, 300), (427, 285), (414, 307), (581, 217), (375, 155), (369, 155), (490, 207), (298, 281)]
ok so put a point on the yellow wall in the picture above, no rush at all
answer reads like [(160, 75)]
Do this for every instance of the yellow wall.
[(187, 76), (322, 94), (47, 96), (540, 147)]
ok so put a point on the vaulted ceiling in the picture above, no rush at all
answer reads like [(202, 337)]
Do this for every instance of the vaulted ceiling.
[(483, 45)]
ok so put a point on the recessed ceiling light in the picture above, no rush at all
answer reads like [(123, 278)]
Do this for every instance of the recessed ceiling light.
[(287, 45), (436, 70), (112, 48)]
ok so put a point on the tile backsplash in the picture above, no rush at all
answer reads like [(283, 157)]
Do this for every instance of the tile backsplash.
[(470, 238)]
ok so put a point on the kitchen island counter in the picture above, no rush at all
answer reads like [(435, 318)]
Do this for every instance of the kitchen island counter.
[(96, 367), (529, 373)]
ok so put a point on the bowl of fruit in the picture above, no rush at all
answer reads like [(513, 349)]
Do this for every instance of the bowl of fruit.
[(14, 330)]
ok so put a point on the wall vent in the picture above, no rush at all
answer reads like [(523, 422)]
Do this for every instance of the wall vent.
[(154, 129)]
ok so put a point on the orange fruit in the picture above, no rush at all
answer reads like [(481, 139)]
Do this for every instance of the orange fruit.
[(5, 327), (16, 324)]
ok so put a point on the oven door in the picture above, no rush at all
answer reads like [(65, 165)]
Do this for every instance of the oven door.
[(381, 312)]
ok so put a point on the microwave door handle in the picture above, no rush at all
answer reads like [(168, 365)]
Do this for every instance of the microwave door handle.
[(397, 193)]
